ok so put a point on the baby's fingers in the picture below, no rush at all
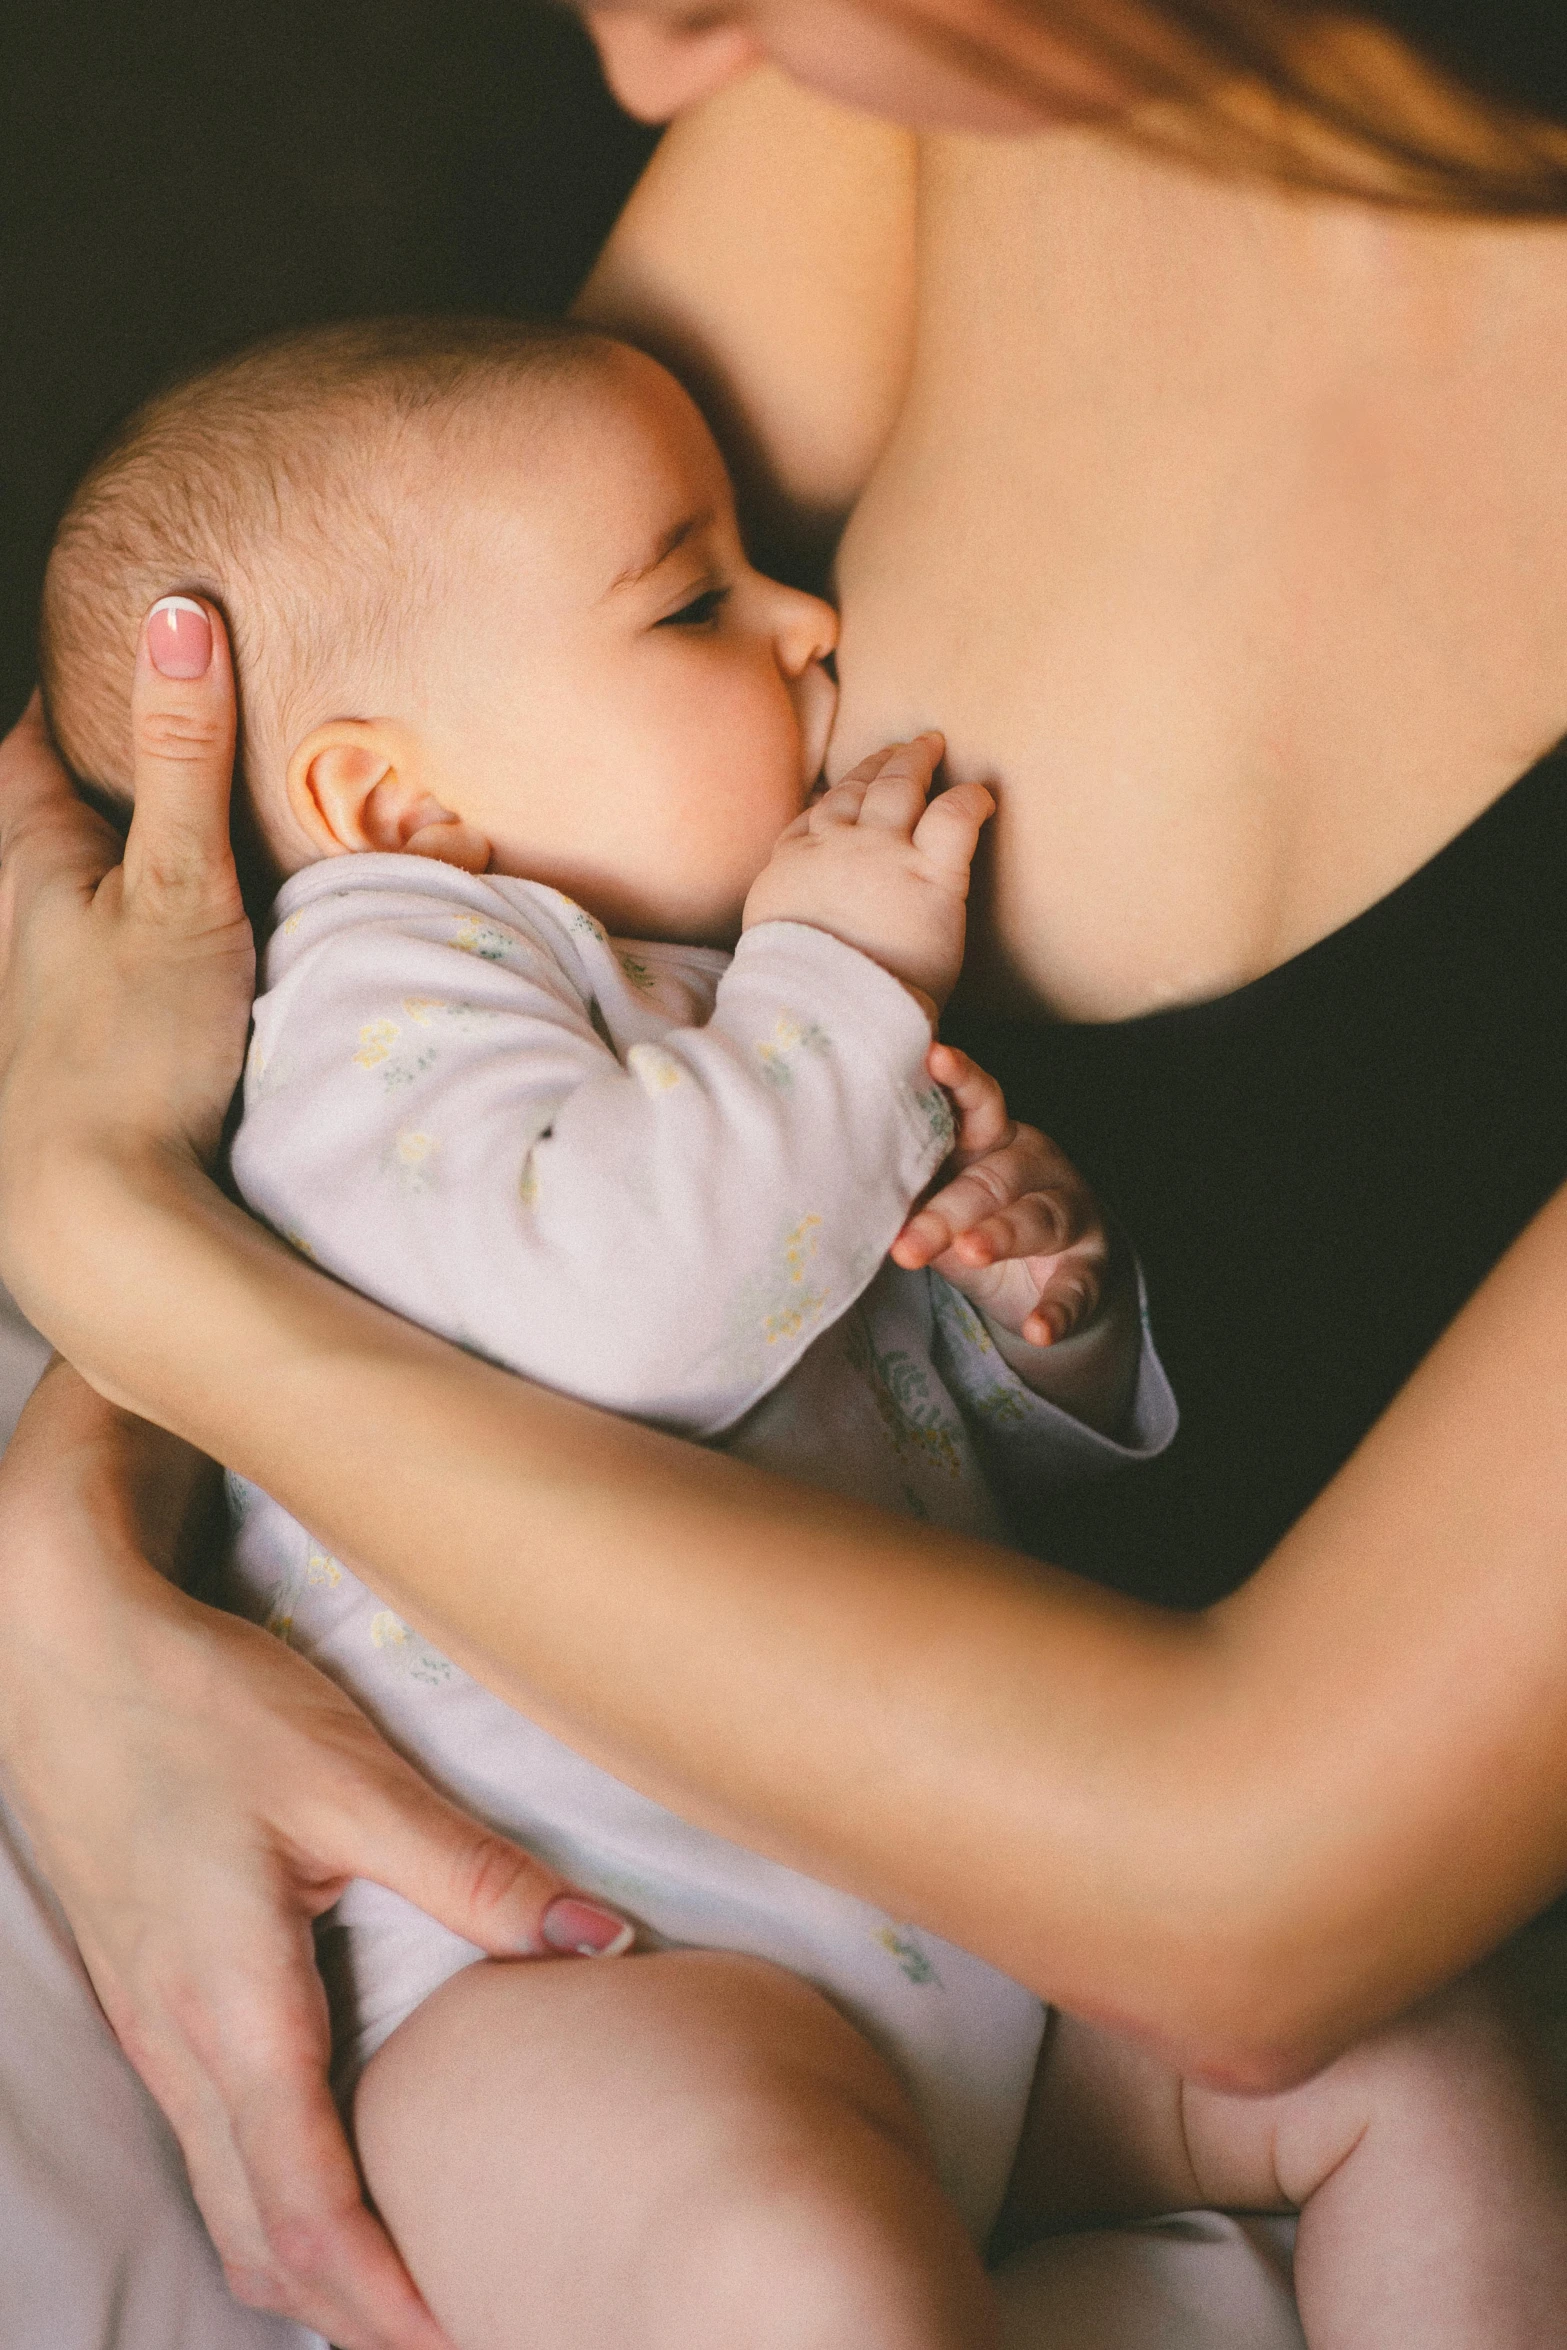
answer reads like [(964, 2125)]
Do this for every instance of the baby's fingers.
[(1040, 1224), (885, 792), (920, 757), (983, 1124), (948, 832), (895, 796), (840, 804), (981, 1224), (1068, 1300)]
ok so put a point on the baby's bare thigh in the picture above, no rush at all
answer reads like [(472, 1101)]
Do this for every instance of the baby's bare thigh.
[(657, 2149), (1114, 2134)]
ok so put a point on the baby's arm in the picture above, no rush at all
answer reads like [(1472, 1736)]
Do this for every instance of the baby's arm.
[(435, 1113), (467, 1102)]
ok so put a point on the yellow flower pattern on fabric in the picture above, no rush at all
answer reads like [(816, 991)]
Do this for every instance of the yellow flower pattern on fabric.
[(906, 1399), (398, 1060), (789, 1318), (320, 1572), (790, 1038), (485, 939), (580, 920), (779, 1302), (413, 1153), (790, 1300), (903, 1945), (406, 1652), (654, 1070), (376, 1040)]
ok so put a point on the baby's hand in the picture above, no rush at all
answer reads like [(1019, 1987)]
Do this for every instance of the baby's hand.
[(872, 863), (1017, 1230)]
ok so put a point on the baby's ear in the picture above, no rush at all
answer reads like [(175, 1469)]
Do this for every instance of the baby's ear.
[(342, 781), (354, 785)]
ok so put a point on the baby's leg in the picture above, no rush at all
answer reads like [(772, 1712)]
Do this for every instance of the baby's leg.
[(689, 2149), (1427, 2164), (1432, 2176)]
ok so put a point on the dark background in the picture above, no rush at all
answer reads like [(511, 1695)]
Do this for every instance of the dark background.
[(177, 180)]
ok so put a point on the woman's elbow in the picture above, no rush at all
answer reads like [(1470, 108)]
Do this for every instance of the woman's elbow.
[(1249, 1991), (1263, 2010)]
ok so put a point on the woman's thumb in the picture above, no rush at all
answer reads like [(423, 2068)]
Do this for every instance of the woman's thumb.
[(475, 1883), (182, 748)]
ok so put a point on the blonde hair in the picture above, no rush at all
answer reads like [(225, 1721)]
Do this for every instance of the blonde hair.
[(297, 485), (1455, 106)]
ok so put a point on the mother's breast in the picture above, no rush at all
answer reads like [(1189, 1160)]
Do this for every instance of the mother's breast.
[(1145, 544)]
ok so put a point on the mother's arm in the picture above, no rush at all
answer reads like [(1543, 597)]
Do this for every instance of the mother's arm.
[(1243, 1836)]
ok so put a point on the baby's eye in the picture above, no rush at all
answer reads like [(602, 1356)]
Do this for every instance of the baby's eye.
[(699, 612)]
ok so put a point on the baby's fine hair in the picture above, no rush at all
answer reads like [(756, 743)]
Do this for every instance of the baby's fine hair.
[(281, 484)]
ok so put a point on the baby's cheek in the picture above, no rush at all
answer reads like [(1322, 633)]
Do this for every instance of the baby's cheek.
[(757, 744), (814, 699)]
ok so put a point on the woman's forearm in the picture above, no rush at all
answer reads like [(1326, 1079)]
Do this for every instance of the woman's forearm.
[(138, 1492), (1243, 1836), (99, 1513)]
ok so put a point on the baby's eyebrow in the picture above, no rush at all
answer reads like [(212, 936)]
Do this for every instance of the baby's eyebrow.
[(671, 539)]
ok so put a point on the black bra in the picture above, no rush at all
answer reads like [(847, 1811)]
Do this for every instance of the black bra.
[(1316, 1170)]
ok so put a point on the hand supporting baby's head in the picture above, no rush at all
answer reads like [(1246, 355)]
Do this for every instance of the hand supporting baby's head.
[(488, 601)]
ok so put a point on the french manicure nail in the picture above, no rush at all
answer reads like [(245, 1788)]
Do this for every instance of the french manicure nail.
[(179, 637), (584, 1929)]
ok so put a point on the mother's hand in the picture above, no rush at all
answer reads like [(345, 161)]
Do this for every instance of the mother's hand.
[(125, 975), (197, 1795)]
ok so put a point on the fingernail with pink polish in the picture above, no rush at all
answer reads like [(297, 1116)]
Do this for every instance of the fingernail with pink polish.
[(179, 637), (582, 1928)]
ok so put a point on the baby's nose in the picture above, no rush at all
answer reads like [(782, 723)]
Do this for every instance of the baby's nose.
[(807, 630)]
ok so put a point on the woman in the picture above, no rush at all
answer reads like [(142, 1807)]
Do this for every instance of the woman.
[(1223, 530)]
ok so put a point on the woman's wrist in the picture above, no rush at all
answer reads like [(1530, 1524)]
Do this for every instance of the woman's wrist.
[(108, 1252), (85, 1479), (95, 1511)]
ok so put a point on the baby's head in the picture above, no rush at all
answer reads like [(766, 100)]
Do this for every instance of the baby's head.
[(487, 599)]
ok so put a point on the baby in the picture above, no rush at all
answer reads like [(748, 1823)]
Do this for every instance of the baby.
[(592, 1039)]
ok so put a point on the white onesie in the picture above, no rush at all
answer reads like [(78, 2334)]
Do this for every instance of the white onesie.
[(666, 1181)]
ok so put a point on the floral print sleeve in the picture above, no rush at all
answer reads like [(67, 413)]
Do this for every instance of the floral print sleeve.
[(650, 1176)]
